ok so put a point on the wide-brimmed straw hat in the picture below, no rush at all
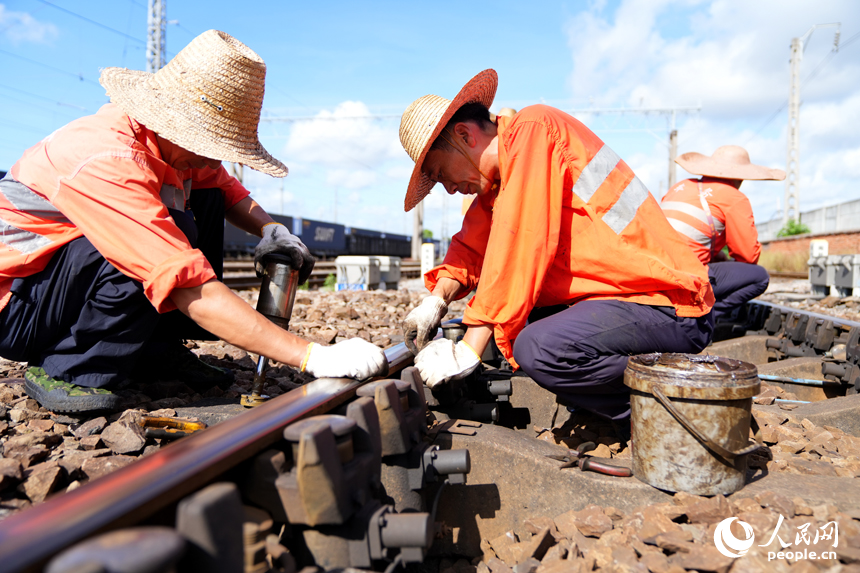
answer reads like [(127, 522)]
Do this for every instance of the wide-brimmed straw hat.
[(728, 162), (424, 120), (206, 100)]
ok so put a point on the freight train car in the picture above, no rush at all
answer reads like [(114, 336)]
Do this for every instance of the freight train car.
[(325, 240), (367, 242), (239, 244), (322, 239)]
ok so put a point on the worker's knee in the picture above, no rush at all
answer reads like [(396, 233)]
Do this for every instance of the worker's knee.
[(534, 350)]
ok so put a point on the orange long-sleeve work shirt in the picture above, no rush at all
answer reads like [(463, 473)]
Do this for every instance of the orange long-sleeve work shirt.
[(103, 177), (730, 212), (570, 222)]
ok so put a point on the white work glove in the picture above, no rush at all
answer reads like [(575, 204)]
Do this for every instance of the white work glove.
[(442, 360), (277, 239), (353, 358), (420, 325)]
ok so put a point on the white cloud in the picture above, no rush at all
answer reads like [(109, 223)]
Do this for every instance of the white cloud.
[(20, 27), (346, 136), (350, 178), (732, 58)]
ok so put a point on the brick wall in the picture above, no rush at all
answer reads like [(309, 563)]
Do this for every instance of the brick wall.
[(838, 243)]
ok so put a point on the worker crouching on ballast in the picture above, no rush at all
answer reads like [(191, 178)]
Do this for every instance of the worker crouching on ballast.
[(116, 220), (711, 213), (575, 265)]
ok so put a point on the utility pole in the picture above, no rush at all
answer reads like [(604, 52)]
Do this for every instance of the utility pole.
[(673, 153), (418, 231), (156, 36), (791, 211)]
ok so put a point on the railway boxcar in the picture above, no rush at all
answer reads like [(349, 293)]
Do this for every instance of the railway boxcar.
[(322, 239), (239, 244), (367, 242)]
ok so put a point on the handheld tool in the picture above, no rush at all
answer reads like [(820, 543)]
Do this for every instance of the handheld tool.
[(169, 428), (577, 457), (277, 295)]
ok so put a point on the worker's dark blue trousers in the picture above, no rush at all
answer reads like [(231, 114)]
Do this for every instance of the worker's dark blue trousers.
[(735, 284), (85, 322), (580, 352)]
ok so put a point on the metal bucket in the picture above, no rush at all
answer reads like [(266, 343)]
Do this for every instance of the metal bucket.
[(691, 418)]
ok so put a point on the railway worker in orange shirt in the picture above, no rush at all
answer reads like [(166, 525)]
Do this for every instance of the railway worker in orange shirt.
[(575, 266), (98, 237), (712, 213)]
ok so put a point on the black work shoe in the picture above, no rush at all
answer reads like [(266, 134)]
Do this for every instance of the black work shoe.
[(59, 396), (179, 363)]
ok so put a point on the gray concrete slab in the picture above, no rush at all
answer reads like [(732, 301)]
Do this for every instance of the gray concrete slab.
[(747, 348), (510, 466), (212, 411)]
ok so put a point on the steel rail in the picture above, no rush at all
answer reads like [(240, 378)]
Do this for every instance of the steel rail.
[(135, 492)]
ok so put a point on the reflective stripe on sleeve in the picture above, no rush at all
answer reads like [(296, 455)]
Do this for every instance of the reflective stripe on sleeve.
[(595, 173), (28, 201), (22, 241), (173, 197), (622, 213)]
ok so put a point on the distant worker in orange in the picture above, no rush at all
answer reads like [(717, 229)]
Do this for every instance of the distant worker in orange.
[(711, 213), (575, 265)]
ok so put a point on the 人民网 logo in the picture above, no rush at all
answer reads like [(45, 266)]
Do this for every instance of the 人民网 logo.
[(727, 543)]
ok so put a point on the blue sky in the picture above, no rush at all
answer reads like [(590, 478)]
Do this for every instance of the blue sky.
[(341, 73)]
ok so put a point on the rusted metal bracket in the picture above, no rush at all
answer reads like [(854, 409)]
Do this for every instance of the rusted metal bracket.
[(460, 427)]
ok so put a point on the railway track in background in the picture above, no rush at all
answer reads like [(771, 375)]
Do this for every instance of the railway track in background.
[(786, 343), (239, 274)]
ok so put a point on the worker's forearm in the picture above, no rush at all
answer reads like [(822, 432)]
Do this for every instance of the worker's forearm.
[(447, 289), (217, 309), (478, 337), (249, 216)]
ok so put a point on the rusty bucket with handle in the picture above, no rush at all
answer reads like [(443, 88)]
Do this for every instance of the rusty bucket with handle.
[(691, 417)]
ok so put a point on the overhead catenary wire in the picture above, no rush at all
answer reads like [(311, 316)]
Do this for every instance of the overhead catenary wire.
[(93, 22), (50, 67)]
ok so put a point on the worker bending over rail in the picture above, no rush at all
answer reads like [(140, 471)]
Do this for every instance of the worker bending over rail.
[(116, 220), (711, 213), (575, 265)]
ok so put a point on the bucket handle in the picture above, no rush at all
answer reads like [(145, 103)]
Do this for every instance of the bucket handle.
[(728, 455)]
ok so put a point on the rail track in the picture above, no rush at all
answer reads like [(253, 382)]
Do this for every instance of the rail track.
[(239, 274), (789, 345)]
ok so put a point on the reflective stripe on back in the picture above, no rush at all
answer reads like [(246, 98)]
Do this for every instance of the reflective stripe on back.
[(595, 173), (22, 241), (623, 211), (687, 209), (691, 232)]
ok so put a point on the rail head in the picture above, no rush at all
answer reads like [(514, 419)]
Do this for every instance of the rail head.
[(135, 492)]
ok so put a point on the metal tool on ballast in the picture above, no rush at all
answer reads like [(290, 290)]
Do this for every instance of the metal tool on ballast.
[(577, 457), (277, 295)]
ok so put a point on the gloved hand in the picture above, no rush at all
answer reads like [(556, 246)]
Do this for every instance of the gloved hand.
[(442, 360), (420, 325), (353, 358), (277, 239)]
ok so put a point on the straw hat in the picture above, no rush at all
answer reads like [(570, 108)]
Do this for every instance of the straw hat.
[(727, 162), (206, 100), (424, 120)]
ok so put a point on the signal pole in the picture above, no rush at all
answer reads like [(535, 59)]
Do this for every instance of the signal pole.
[(792, 155), (156, 36)]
